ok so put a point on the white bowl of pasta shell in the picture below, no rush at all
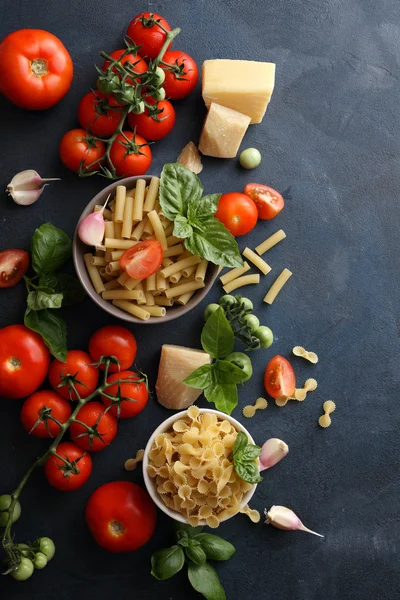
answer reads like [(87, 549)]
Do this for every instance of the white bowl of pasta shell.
[(188, 471)]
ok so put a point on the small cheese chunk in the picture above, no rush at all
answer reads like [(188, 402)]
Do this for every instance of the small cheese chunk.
[(223, 131), (243, 85)]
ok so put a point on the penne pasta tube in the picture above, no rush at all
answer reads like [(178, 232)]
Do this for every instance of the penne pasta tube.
[(148, 229), (277, 286), (113, 266), (119, 244), (201, 270), (113, 284), (241, 281), (116, 254), (175, 277), (103, 271), (169, 229), (151, 283), (163, 301), (156, 311), (257, 261), (133, 309), (139, 200), (173, 251), (93, 274), (120, 195), (139, 287), (127, 222), (107, 214), (189, 271), (166, 262), (151, 195), (184, 299), (184, 288), (172, 240), (234, 273), (161, 282), (107, 276), (270, 242), (109, 231), (138, 230), (158, 229), (98, 261), (131, 284), (180, 265), (123, 295), (122, 279), (149, 298)]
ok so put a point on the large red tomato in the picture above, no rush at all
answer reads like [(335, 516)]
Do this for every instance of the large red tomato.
[(132, 157), (78, 366), (44, 403), (146, 32), (121, 516), (116, 342), (36, 69), (24, 360), (134, 390), (103, 424), (70, 469), (181, 74)]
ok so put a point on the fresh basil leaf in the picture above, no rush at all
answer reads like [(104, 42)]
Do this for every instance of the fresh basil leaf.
[(200, 378), (217, 337), (215, 547), (250, 453), (182, 229), (215, 243), (223, 395), (226, 372), (51, 327), (204, 208), (51, 248), (38, 300), (178, 184), (64, 284), (248, 471), (196, 554), (167, 562), (204, 579), (240, 443), (191, 531)]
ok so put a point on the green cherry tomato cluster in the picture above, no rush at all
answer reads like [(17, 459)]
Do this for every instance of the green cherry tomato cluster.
[(32, 556), (5, 503)]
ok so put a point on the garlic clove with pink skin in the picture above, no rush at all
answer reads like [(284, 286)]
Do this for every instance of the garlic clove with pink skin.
[(284, 518), (91, 228), (272, 451), (26, 187)]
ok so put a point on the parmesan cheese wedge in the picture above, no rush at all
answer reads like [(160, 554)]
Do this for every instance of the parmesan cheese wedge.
[(177, 363), (223, 131)]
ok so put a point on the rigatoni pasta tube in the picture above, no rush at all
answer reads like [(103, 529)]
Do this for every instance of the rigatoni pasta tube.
[(241, 281), (256, 260), (139, 286), (139, 200), (123, 278), (131, 283), (201, 270), (181, 264), (172, 240), (109, 231), (163, 301), (107, 214), (148, 229), (149, 298), (173, 251), (189, 271), (120, 195), (184, 288), (169, 229), (119, 244), (158, 229), (151, 195), (234, 273), (175, 277), (270, 242), (184, 298), (138, 231), (127, 222), (113, 284), (113, 266), (156, 311), (116, 254), (151, 283), (123, 295), (93, 274), (98, 261), (133, 309), (277, 286), (161, 282)]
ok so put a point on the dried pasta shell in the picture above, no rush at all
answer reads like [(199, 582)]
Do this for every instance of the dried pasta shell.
[(226, 463), (253, 514), (160, 459), (189, 449), (222, 481), (199, 473), (192, 481), (161, 490), (195, 462), (224, 502), (311, 384), (212, 501), (169, 487), (179, 479), (218, 471)]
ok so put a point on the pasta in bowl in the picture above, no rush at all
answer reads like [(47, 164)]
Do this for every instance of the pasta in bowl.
[(188, 470)]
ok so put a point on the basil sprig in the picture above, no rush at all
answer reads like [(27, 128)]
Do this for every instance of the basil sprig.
[(193, 215), (195, 548), (244, 455)]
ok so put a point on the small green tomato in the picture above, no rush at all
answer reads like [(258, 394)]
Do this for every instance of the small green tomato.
[(40, 560), (159, 94), (246, 304), (139, 108), (108, 85), (265, 335), (250, 158), (24, 570), (251, 321), (5, 503), (227, 300), (159, 76), (209, 310), (24, 549), (47, 546), (241, 360)]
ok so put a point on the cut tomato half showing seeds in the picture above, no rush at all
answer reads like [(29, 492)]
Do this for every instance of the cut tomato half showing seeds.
[(143, 259)]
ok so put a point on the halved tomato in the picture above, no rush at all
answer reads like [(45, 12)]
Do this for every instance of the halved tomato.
[(279, 378), (143, 259), (269, 202), (13, 265)]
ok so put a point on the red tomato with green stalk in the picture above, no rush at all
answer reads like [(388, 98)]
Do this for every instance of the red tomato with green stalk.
[(133, 393), (137, 64), (181, 74), (116, 342), (80, 151), (13, 266), (237, 212), (99, 114), (69, 468), (279, 378), (143, 259), (95, 428), (149, 30), (130, 154), (156, 122), (121, 516), (36, 69), (43, 405), (24, 361), (79, 370), (268, 201)]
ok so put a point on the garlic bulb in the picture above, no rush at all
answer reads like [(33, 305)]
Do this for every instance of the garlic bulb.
[(25, 187)]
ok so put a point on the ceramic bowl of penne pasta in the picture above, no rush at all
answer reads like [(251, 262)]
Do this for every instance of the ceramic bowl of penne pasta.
[(133, 215), (188, 468)]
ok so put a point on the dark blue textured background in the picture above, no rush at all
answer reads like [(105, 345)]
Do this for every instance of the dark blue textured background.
[(332, 133)]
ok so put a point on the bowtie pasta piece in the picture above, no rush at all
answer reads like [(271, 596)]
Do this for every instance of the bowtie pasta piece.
[(131, 463), (329, 407), (306, 354), (253, 514), (250, 410)]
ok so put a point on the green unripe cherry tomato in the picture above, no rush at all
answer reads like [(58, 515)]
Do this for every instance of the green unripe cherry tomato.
[(40, 560), (47, 546), (227, 300), (139, 108), (247, 304), (251, 321), (108, 86), (126, 96), (159, 94), (24, 570), (250, 158), (209, 310), (158, 77), (265, 335), (24, 548), (242, 361), (5, 503)]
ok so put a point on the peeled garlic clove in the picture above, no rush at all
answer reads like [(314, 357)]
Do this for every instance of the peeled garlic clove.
[(24, 187), (284, 518), (272, 451), (91, 229)]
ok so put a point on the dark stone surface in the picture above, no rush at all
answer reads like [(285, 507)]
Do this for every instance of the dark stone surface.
[(331, 132)]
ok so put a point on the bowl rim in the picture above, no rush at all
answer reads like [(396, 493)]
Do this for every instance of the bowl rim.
[(149, 483), (106, 305)]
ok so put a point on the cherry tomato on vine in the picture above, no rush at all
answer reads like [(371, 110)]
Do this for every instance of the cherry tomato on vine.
[(181, 74), (36, 69), (5, 503), (104, 423), (46, 545), (145, 31), (13, 266), (24, 569), (279, 378), (79, 151), (44, 402), (113, 340), (70, 471), (269, 202), (78, 366), (136, 393), (95, 113), (121, 516), (24, 361), (237, 212), (40, 560), (154, 123), (132, 156), (143, 259), (137, 64)]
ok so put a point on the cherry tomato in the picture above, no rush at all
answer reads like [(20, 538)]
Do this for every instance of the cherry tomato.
[(137, 64), (13, 266), (181, 74), (115, 341), (104, 423), (78, 366), (78, 151), (24, 570), (237, 212), (24, 361), (121, 516), (68, 477), (95, 114), (47, 546), (136, 393), (143, 259), (279, 378), (36, 69), (145, 31), (130, 158), (154, 123), (45, 402), (269, 202)]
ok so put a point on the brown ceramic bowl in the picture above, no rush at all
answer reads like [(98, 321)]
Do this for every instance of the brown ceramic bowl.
[(79, 249)]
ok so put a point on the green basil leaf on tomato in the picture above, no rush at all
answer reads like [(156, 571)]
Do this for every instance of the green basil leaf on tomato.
[(51, 327), (204, 579), (51, 248), (167, 562)]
